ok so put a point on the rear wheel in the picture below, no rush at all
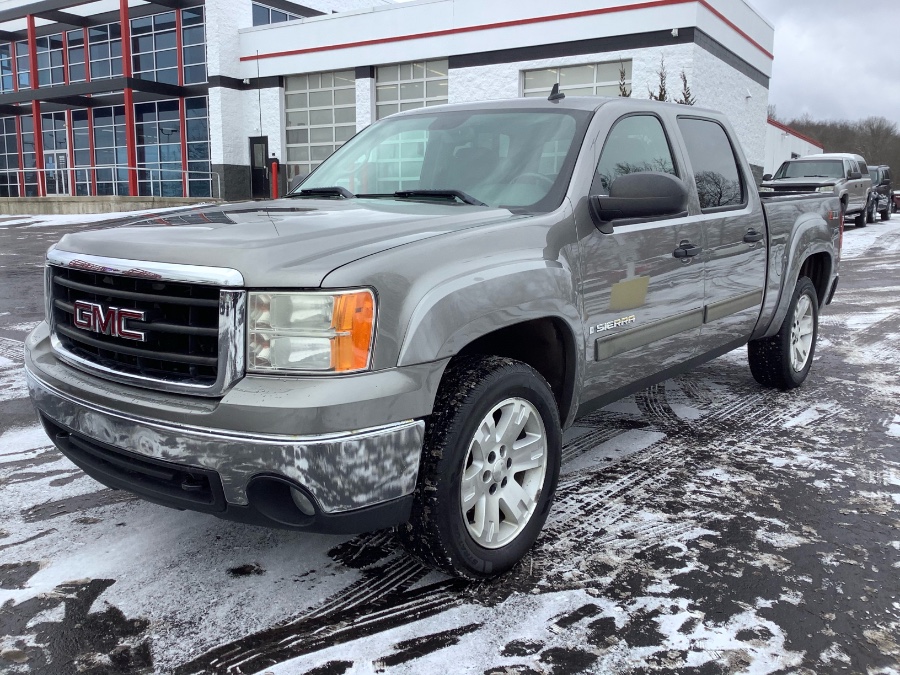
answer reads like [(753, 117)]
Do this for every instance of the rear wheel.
[(489, 468), (784, 359)]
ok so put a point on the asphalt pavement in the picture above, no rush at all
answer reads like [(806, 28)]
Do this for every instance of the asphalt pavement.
[(705, 525)]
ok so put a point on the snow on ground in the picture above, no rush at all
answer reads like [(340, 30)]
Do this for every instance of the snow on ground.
[(54, 220), (704, 523)]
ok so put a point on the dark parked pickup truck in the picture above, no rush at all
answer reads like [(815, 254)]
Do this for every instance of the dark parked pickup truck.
[(401, 341)]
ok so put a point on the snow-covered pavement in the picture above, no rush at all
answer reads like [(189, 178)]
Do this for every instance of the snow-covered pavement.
[(705, 525)]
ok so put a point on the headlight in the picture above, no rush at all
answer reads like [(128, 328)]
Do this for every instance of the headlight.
[(310, 332), (825, 188), (766, 189)]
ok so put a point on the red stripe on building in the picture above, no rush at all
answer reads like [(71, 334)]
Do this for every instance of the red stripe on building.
[(793, 132), (507, 24)]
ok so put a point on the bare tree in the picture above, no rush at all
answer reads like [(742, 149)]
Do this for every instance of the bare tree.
[(773, 112), (874, 137)]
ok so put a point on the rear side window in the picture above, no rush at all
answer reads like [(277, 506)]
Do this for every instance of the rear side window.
[(863, 168), (716, 171)]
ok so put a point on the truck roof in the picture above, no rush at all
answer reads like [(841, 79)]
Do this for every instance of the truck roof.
[(569, 102)]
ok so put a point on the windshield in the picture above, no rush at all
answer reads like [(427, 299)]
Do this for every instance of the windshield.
[(521, 160), (822, 168)]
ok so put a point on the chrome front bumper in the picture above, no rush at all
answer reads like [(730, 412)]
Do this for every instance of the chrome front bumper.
[(341, 471)]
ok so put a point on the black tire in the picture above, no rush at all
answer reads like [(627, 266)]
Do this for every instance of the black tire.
[(770, 358), (885, 215), (870, 211), (438, 532), (859, 220)]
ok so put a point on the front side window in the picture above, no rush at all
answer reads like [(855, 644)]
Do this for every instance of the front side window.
[(635, 144), (520, 160), (715, 165)]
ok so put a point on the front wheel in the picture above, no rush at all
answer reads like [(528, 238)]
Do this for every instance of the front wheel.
[(784, 359), (489, 468), (870, 211)]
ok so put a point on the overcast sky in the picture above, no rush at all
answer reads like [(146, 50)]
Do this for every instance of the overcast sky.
[(835, 59)]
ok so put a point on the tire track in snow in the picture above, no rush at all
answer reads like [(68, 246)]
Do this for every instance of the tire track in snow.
[(14, 350)]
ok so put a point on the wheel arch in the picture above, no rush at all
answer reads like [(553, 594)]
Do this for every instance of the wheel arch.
[(547, 344), (817, 267)]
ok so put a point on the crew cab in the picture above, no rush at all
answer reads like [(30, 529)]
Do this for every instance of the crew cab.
[(842, 174), (401, 341)]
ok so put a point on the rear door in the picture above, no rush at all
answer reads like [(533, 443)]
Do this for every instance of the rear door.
[(736, 238), (642, 305)]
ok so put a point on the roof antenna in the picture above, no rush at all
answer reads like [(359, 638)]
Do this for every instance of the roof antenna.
[(554, 94)]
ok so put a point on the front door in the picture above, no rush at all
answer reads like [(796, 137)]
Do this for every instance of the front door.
[(56, 168), (643, 302), (259, 171)]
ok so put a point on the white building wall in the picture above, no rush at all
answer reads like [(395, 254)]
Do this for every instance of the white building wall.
[(264, 116), (227, 128), (365, 105), (715, 84), (473, 26), (224, 19), (780, 145), (504, 80)]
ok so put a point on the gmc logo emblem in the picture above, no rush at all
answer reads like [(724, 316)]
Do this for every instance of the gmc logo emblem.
[(108, 321)]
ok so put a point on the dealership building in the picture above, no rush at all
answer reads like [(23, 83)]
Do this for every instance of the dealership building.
[(185, 98)]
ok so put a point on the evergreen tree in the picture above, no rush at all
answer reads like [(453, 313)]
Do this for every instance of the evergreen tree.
[(687, 98)]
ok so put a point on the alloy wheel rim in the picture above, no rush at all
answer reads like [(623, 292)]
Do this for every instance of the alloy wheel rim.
[(801, 333), (503, 473)]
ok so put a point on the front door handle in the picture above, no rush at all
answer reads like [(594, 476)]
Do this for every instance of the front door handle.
[(686, 250), (753, 236)]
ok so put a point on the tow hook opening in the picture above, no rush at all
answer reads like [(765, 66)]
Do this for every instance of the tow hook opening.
[(281, 500)]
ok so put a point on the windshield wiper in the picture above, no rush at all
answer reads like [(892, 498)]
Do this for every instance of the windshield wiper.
[(439, 194), (340, 192)]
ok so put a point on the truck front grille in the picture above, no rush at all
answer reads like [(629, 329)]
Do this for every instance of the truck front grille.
[(180, 326)]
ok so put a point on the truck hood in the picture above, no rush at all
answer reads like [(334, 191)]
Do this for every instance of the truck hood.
[(288, 243)]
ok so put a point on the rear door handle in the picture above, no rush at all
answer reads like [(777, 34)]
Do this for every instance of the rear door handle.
[(686, 250), (753, 236)]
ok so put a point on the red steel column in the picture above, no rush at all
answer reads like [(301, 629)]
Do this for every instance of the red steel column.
[(130, 129), (36, 109)]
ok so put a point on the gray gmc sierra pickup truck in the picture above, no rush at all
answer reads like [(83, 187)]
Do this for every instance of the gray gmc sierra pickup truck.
[(401, 341)]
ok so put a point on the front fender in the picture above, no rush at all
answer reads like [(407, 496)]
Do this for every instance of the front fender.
[(453, 314)]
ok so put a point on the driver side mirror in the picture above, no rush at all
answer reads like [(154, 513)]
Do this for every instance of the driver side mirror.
[(767, 176), (648, 194), (854, 175)]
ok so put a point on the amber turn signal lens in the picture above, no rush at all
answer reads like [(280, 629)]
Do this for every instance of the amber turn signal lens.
[(354, 326)]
